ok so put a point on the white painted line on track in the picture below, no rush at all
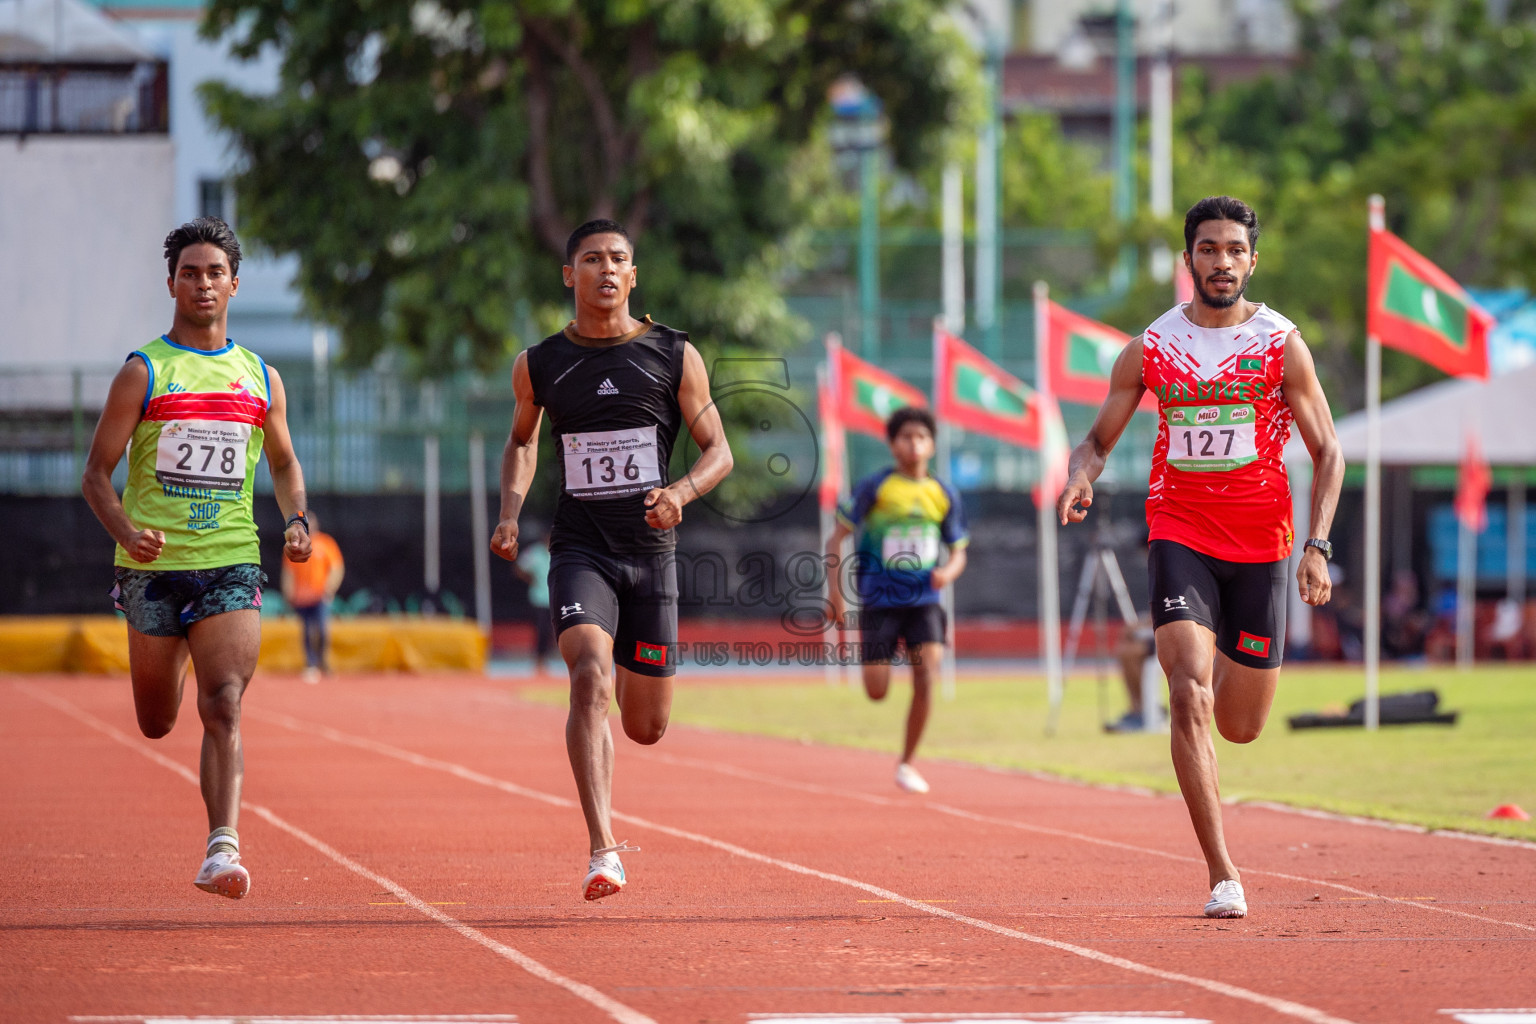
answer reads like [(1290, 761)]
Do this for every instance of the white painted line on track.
[(241, 1018), (1493, 1016), (975, 1018), (615, 1009), (1283, 1006), (986, 819)]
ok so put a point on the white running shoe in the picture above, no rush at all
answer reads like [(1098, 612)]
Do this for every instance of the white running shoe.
[(311, 675), (221, 873), (605, 872), (1227, 900), (908, 779)]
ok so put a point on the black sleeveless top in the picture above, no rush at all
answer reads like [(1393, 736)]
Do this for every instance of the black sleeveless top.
[(615, 417)]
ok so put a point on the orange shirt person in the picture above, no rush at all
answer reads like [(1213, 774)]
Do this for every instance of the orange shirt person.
[(309, 587)]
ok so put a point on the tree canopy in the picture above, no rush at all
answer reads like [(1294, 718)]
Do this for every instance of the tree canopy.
[(1431, 103), (426, 159)]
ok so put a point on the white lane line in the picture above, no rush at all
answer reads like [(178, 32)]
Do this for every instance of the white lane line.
[(986, 819), (1106, 1017), (615, 1009), (1109, 1017), (1493, 1016), (1284, 1006), (334, 1018)]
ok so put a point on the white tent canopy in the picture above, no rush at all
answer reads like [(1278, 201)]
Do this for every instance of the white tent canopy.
[(1428, 427), (64, 30)]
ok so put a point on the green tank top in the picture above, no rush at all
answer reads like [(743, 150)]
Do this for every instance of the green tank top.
[(192, 458)]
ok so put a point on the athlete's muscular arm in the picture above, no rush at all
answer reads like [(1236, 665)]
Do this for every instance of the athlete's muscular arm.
[(518, 459), (664, 505), (1125, 391), (950, 571), (840, 533), (287, 477), (124, 409), (1314, 421)]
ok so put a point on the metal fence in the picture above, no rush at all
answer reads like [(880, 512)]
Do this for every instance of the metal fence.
[(84, 99)]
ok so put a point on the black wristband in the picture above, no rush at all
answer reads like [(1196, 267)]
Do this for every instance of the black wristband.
[(297, 517)]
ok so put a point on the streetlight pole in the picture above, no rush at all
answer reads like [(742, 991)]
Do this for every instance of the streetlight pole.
[(1124, 139)]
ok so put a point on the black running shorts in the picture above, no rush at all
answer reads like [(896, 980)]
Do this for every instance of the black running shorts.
[(881, 628), (632, 597), (1243, 603)]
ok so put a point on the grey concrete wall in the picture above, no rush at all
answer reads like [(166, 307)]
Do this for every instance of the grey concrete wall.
[(82, 220)]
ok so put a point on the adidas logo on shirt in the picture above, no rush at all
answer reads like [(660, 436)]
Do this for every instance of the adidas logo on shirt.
[(607, 388)]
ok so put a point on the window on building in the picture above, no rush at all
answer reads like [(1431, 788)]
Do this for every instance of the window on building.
[(216, 198)]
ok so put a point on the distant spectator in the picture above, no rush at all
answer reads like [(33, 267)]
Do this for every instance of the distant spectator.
[(310, 587), (533, 569), (1403, 622)]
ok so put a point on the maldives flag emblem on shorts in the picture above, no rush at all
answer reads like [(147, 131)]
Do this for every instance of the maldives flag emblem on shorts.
[(654, 655), (1250, 364), (1255, 645)]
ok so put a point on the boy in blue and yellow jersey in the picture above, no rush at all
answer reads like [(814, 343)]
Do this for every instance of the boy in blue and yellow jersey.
[(902, 516)]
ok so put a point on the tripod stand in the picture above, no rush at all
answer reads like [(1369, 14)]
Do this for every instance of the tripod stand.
[(1101, 572)]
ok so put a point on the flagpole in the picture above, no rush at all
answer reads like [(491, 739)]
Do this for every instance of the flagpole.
[(1050, 599), (941, 445), (1466, 592), (828, 522), (1372, 582)]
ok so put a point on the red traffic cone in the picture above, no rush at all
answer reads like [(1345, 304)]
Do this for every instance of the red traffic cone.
[(1510, 811)]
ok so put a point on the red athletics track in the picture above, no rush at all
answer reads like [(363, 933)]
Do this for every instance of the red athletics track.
[(416, 850)]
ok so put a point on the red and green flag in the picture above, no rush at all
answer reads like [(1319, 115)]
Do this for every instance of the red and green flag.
[(1415, 307), (1473, 480), (972, 392), (1082, 353), (833, 445), (650, 654), (1258, 646), (865, 394)]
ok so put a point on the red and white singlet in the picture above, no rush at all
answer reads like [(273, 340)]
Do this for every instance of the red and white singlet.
[(1218, 482)]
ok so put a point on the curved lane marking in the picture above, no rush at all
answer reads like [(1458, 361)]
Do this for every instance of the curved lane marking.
[(1283, 1006), (960, 812), (615, 1009)]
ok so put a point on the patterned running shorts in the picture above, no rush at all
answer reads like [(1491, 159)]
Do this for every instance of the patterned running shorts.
[(166, 602)]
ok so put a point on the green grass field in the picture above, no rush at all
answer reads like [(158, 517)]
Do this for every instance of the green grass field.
[(1437, 776)]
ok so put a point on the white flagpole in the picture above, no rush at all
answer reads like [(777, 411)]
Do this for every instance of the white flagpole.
[(828, 523), (1050, 599), (947, 596), (1466, 592), (1372, 582)]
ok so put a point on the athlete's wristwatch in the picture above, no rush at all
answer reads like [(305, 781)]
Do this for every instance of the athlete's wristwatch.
[(297, 517), (1321, 545)]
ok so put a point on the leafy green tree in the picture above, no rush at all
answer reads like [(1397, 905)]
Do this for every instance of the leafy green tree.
[(426, 159), (1431, 103)]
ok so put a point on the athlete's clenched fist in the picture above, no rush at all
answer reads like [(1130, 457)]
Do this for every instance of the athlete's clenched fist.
[(663, 510), (504, 540)]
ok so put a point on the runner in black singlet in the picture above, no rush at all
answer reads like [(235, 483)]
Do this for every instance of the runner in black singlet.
[(617, 391)]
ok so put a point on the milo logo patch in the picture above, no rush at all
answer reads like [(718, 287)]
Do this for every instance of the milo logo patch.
[(1242, 412), (1210, 414), (1176, 416)]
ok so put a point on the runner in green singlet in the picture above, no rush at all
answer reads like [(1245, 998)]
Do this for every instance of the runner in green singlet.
[(195, 412)]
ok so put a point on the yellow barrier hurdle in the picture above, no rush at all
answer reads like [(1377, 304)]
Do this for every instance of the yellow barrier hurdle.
[(375, 643)]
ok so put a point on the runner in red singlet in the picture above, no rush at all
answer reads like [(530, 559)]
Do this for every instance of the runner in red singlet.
[(1231, 377)]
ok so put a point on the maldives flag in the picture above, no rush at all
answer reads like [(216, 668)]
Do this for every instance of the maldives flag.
[(1055, 454), (866, 395), (1415, 307), (1081, 354), (833, 444), (975, 393), (1472, 483)]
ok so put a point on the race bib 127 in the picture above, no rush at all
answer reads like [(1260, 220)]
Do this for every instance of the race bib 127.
[(1211, 438)]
